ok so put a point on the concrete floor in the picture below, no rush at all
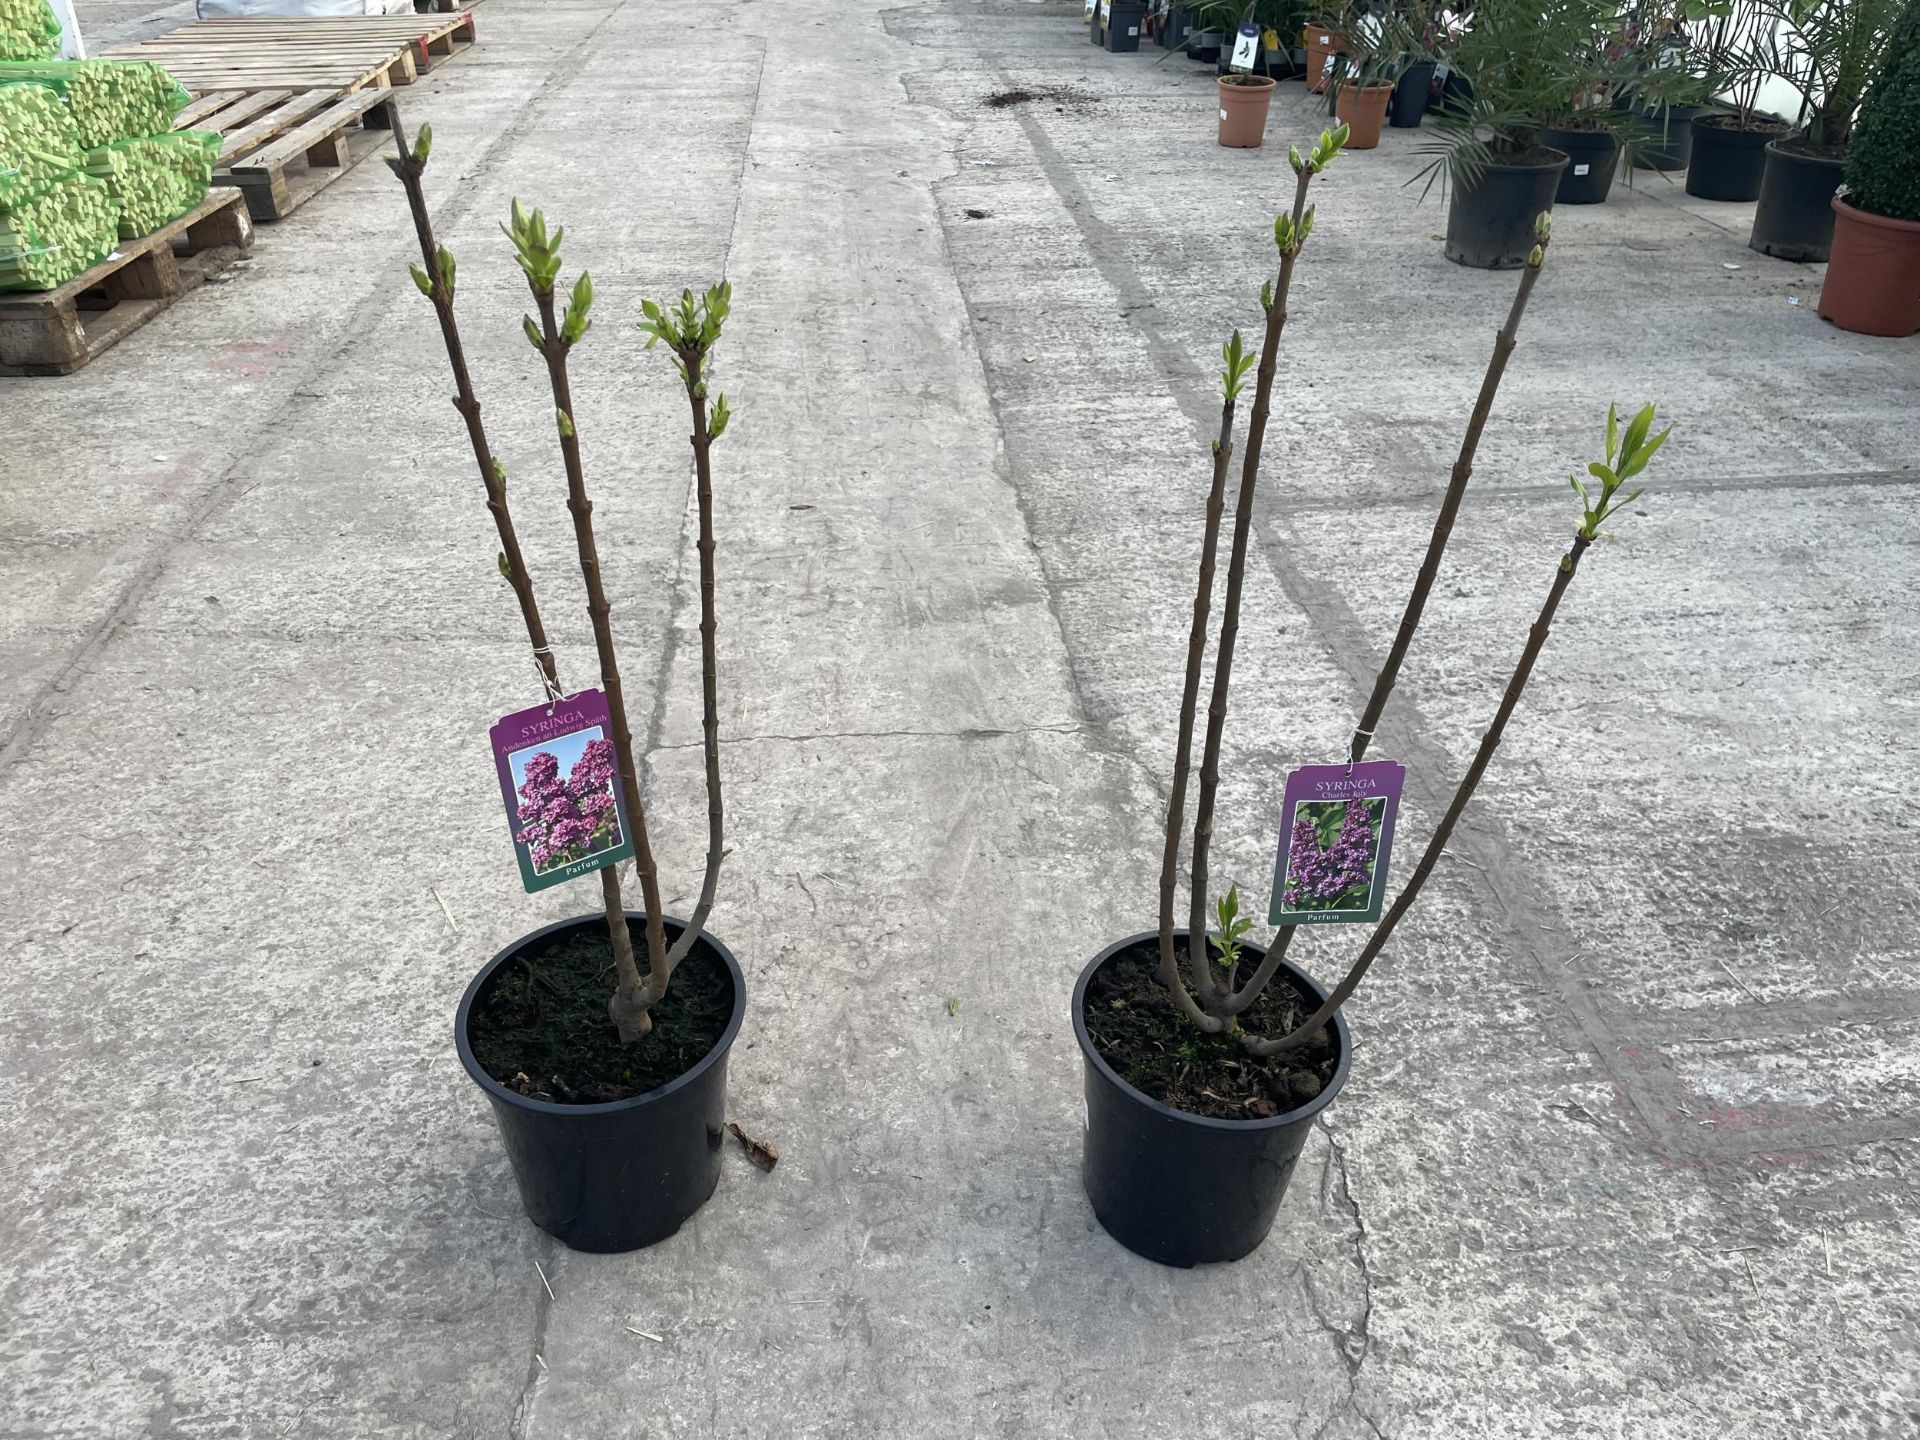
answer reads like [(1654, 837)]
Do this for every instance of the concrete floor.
[(1629, 1146)]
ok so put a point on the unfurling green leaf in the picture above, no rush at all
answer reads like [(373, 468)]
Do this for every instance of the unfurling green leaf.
[(444, 257), (423, 144), (1535, 257), (1283, 232), (1306, 225), (717, 425), (422, 280), (1232, 924), (565, 422), (1293, 159), (1627, 455), (505, 568), (500, 474), (532, 332), (1266, 296), (1613, 433), (1543, 226)]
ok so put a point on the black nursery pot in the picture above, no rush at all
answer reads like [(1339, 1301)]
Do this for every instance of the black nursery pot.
[(1592, 157), (1186, 1189), (1124, 24), (1728, 163), (627, 1173), (1667, 137), (1410, 96), (1794, 220), (1490, 222)]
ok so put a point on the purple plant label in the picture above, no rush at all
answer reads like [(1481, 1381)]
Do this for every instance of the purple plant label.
[(1336, 834), (561, 785)]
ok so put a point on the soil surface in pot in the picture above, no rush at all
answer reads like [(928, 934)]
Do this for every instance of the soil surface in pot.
[(541, 1027), (1153, 1048), (1533, 155), (1800, 145), (1253, 82), (1742, 125)]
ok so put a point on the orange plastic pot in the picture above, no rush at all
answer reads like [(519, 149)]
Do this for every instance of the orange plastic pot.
[(1363, 110), (1321, 45), (1873, 273), (1244, 100)]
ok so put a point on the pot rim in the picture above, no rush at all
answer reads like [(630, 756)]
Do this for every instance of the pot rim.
[(1507, 167), (1230, 82), (1835, 162), (1364, 86), (1843, 206), (495, 1090), (1209, 1122)]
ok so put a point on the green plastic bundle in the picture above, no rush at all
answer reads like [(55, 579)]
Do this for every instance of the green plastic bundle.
[(53, 234), (37, 139), (155, 178), (110, 99), (29, 30)]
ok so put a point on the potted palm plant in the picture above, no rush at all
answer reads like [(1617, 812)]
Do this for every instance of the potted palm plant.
[(1829, 51), (1206, 1055), (1518, 63), (1382, 41), (610, 1104), (1736, 45), (1873, 272)]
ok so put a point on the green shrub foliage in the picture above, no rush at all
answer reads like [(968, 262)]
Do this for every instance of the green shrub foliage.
[(1883, 165)]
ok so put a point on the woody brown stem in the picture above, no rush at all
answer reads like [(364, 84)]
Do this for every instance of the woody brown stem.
[(702, 442), (1236, 577), (629, 1004), (1503, 344), (1183, 747), (1490, 742), (493, 478)]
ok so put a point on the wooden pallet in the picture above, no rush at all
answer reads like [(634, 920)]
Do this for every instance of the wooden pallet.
[(322, 52), (282, 147), (55, 332)]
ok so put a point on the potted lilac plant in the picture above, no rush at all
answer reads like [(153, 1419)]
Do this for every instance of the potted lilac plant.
[(610, 1102), (1206, 1055)]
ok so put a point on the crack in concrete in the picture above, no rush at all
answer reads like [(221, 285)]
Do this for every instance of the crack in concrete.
[(1700, 485), (1360, 1335), (543, 1300), (969, 734)]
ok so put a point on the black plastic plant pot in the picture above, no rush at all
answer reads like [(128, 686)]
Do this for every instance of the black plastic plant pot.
[(1204, 46), (1410, 95), (1666, 138), (1794, 220), (1728, 162), (627, 1173), (1490, 222), (1124, 24), (1186, 1189), (1592, 158)]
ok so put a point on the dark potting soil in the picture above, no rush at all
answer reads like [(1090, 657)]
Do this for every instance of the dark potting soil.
[(1061, 97), (1153, 1047), (1800, 145), (1743, 124), (1533, 155), (541, 1027)]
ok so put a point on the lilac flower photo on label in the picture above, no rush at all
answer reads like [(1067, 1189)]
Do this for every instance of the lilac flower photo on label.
[(1330, 854), (565, 820)]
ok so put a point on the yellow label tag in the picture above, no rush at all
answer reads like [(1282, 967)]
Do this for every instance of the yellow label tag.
[(1271, 39)]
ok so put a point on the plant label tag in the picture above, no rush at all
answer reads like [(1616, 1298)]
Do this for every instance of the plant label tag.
[(561, 785), (1106, 13), (1336, 833), (1086, 12), (1326, 39), (1246, 42), (1581, 169)]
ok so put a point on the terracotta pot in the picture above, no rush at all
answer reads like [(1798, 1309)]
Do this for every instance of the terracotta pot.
[(1243, 110), (1363, 110), (1873, 273), (1322, 45)]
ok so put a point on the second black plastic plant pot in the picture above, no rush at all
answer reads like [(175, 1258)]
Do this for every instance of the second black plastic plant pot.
[(624, 1174), (1125, 20), (1490, 222), (1410, 95), (1186, 1189), (1593, 157)]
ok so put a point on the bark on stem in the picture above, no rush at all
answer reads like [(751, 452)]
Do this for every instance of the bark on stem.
[(702, 442), (1490, 742), (629, 1004), (1183, 747), (1236, 577), (493, 478), (1503, 345)]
